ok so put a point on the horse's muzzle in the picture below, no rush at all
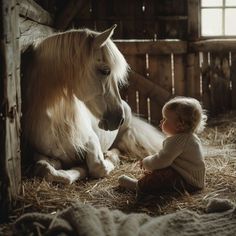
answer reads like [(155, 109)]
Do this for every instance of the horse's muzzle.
[(110, 124)]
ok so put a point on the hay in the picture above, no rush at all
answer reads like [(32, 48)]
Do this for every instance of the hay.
[(219, 141)]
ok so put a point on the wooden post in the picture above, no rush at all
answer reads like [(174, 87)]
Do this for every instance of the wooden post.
[(190, 80), (193, 20), (206, 81), (233, 79), (10, 107), (179, 75)]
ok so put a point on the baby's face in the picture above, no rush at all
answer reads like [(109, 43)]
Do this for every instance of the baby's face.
[(170, 123)]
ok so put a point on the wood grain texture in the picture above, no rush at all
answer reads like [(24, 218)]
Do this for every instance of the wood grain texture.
[(31, 10), (30, 31), (10, 168)]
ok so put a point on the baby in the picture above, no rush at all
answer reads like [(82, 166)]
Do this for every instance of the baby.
[(179, 164)]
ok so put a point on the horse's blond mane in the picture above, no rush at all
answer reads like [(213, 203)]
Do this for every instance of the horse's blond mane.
[(59, 67)]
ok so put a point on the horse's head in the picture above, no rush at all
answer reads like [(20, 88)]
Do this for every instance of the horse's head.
[(106, 69), (83, 63)]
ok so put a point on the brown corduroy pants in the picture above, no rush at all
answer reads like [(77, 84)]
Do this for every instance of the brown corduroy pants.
[(163, 180)]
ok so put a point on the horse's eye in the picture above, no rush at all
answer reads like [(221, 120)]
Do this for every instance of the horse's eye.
[(105, 71)]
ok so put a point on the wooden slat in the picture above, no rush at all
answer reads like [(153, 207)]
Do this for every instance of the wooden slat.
[(31, 10), (219, 78), (190, 75), (131, 91), (197, 74), (152, 48), (160, 71), (139, 66), (123, 8), (206, 77), (214, 45), (149, 89), (179, 75), (99, 11), (160, 75), (66, 16)]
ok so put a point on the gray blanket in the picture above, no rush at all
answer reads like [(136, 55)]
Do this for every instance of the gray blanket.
[(86, 220)]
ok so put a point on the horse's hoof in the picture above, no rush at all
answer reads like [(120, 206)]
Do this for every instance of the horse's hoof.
[(112, 157), (44, 170)]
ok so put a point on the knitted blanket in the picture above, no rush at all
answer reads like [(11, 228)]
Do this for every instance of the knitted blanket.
[(86, 220)]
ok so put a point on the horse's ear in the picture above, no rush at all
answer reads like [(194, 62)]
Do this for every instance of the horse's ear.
[(101, 39)]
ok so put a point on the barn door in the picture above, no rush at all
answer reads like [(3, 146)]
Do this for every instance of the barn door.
[(10, 107)]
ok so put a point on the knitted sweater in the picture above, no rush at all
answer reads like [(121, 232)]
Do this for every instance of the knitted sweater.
[(183, 152)]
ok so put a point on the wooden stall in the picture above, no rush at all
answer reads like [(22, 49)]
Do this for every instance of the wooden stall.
[(159, 39), (21, 23)]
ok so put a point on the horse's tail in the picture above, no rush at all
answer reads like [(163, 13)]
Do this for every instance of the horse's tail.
[(139, 139)]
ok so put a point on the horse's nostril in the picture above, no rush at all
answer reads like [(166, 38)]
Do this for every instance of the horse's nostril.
[(121, 121), (103, 124)]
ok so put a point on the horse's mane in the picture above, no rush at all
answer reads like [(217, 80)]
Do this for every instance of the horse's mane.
[(58, 68)]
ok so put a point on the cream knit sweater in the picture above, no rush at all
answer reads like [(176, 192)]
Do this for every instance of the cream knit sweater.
[(183, 152)]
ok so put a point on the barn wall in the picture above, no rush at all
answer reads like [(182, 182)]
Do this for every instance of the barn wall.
[(136, 19), (20, 25), (204, 70)]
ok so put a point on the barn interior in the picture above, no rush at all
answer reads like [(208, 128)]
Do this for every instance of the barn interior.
[(174, 48)]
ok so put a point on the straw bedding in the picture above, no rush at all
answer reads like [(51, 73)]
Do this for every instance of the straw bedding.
[(219, 141)]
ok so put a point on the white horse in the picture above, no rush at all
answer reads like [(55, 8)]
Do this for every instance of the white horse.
[(75, 119)]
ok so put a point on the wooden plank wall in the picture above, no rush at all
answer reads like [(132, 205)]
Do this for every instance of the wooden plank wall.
[(162, 64), (216, 81), (136, 19), (205, 72), (217, 74)]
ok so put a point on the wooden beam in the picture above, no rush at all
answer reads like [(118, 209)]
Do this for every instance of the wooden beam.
[(10, 108), (31, 31), (151, 47), (31, 10), (66, 16), (213, 45), (149, 89)]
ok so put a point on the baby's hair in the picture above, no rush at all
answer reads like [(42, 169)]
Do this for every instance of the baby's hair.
[(189, 111)]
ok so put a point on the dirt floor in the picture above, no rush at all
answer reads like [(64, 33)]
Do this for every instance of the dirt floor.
[(219, 140)]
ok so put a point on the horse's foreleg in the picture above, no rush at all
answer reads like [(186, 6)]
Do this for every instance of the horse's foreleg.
[(50, 169), (97, 165)]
